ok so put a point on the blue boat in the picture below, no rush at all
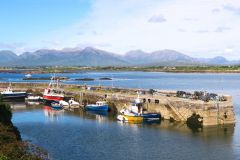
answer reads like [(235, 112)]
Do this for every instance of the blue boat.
[(56, 105), (99, 106), (9, 93), (151, 116)]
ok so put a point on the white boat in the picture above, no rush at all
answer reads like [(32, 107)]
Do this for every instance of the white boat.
[(64, 104), (28, 75), (73, 104), (33, 98)]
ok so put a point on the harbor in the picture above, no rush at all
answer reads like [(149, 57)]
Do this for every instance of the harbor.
[(83, 130), (169, 104)]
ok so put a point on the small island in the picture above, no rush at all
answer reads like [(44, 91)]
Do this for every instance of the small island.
[(105, 78), (84, 79), (45, 78)]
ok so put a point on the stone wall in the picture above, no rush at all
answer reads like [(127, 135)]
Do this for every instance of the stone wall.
[(164, 102)]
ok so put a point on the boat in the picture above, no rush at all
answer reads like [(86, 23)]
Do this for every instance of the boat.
[(56, 105), (135, 111), (137, 108), (64, 104), (99, 106), (127, 116), (9, 93), (73, 104), (33, 98), (28, 76), (53, 92)]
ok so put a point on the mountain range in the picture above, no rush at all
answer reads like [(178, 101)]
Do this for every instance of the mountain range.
[(94, 57)]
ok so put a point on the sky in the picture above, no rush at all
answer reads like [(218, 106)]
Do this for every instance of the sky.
[(198, 28)]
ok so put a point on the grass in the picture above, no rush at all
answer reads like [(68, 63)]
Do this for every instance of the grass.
[(71, 69), (11, 145)]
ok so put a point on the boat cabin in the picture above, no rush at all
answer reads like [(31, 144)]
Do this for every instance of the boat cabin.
[(101, 103)]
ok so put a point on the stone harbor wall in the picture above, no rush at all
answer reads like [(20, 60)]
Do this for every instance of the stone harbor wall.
[(167, 103)]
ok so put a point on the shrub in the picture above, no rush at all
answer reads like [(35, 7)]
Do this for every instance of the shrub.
[(5, 113)]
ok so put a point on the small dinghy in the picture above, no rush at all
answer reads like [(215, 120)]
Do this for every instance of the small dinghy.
[(33, 98), (64, 104), (56, 105)]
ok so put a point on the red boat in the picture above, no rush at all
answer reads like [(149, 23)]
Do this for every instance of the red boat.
[(53, 92)]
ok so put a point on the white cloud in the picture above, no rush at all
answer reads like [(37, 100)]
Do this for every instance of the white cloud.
[(119, 26), (157, 19)]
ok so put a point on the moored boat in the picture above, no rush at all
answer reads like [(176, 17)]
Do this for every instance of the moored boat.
[(33, 98), (28, 76), (127, 116), (64, 104), (56, 105), (53, 92), (135, 111), (73, 104), (99, 106), (9, 93)]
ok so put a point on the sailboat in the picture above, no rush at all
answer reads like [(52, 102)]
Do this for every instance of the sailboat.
[(53, 92)]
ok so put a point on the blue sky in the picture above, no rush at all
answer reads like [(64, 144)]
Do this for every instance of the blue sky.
[(203, 28), (24, 19)]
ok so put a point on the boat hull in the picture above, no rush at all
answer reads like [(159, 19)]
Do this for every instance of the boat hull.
[(56, 106), (97, 108), (126, 118), (151, 116), (14, 95), (52, 98)]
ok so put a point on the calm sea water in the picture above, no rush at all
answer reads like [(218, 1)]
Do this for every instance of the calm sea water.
[(79, 135)]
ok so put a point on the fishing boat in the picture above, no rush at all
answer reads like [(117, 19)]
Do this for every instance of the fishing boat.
[(137, 108), (99, 106), (53, 92), (127, 116), (135, 111), (9, 93), (73, 104), (56, 105)]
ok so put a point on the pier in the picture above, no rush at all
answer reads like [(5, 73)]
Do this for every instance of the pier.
[(167, 103)]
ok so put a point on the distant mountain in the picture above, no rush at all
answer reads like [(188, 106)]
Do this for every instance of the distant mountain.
[(95, 57), (163, 57), (86, 57), (216, 60), (7, 57)]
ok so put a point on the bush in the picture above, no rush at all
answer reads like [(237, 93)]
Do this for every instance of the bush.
[(5, 113)]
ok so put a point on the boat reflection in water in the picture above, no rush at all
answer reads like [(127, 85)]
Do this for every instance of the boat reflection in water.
[(17, 105), (33, 103), (52, 114), (98, 116)]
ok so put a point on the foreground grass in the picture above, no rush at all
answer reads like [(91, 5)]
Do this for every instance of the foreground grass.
[(11, 145)]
